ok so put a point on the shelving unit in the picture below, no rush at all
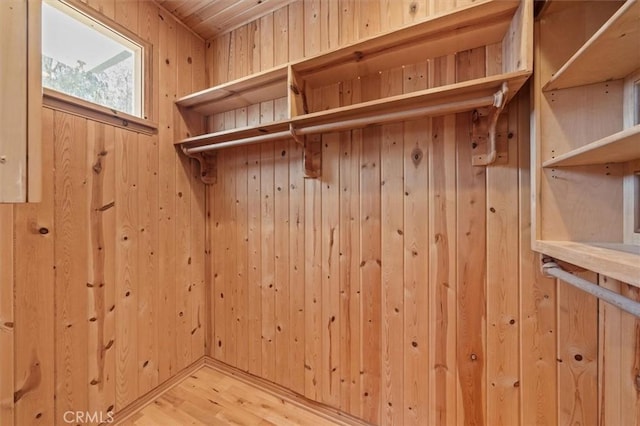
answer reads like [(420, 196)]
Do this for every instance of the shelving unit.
[(446, 99), (611, 53), (586, 151), (485, 23)]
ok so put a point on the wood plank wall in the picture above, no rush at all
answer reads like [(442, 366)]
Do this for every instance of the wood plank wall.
[(108, 270), (400, 287)]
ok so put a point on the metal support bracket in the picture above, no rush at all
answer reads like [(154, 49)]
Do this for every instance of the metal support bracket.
[(208, 161), (478, 132)]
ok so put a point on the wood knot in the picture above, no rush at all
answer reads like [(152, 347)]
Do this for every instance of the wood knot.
[(43, 231), (416, 156)]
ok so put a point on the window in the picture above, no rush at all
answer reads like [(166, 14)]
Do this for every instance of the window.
[(84, 58)]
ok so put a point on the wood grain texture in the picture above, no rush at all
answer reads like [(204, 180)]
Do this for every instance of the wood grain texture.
[(577, 354), (421, 318), (330, 248), (213, 396), (97, 248), (471, 261), (34, 298), (538, 315), (442, 272), (7, 320), (71, 227), (126, 264), (14, 138), (416, 256), (392, 240)]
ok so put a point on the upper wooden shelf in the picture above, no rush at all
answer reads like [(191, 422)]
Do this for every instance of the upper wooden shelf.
[(618, 148), (467, 28), (256, 88), (613, 52), (618, 261), (452, 98)]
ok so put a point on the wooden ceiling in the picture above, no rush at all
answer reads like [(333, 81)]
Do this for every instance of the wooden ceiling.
[(211, 17)]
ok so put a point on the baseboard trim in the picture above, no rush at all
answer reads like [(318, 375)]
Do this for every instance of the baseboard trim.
[(319, 409), (146, 399)]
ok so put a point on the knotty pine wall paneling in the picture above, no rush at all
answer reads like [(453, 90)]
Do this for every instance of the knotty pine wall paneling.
[(414, 297), (107, 273), (6, 316)]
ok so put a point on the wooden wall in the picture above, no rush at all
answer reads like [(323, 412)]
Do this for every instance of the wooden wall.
[(400, 286), (108, 271)]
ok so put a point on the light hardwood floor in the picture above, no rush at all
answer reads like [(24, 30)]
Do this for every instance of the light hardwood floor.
[(210, 397)]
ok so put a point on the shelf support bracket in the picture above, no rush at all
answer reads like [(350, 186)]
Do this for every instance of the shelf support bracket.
[(499, 101), (208, 161), (296, 137), (312, 156)]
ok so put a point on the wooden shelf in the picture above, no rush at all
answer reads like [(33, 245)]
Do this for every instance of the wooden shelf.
[(618, 261), (455, 94), (468, 90), (260, 87), (234, 134), (470, 27), (612, 53), (618, 148)]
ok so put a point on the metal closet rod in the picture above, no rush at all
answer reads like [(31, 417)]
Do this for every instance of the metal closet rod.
[(611, 297), (353, 123)]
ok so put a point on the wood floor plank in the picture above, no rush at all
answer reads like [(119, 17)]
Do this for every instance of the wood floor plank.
[(211, 397)]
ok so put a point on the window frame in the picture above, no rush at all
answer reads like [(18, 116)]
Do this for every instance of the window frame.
[(78, 106)]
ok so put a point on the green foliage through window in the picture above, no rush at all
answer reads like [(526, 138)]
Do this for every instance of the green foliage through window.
[(112, 87)]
